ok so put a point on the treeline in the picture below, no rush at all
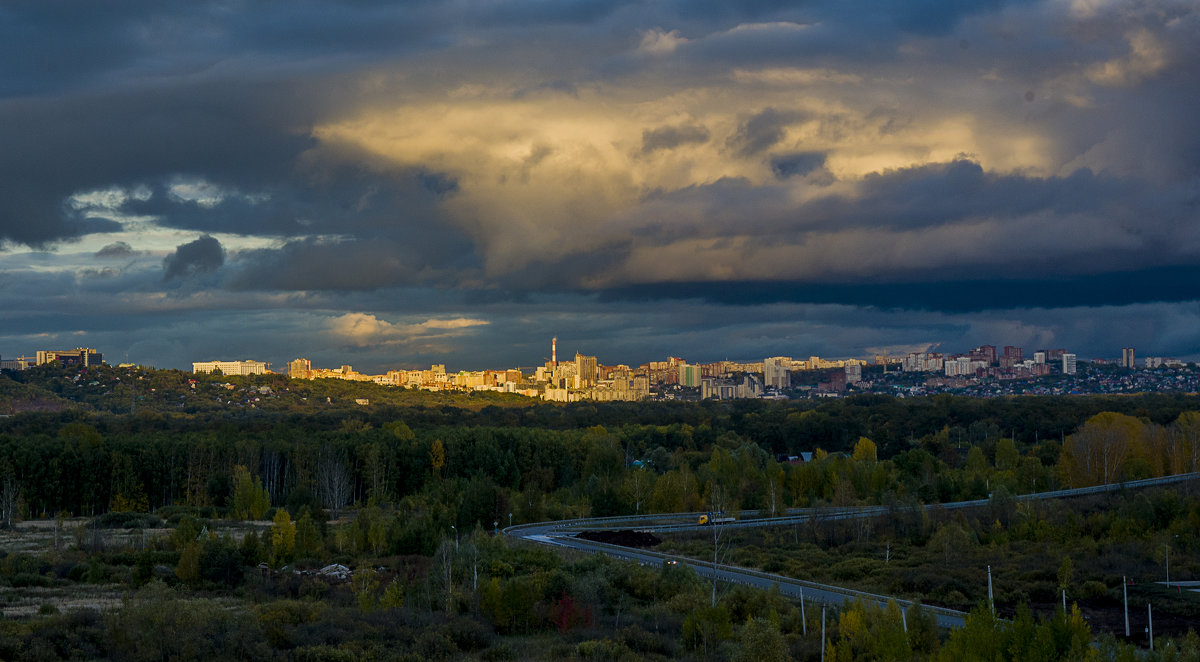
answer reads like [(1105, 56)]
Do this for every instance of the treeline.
[(894, 424), (463, 476)]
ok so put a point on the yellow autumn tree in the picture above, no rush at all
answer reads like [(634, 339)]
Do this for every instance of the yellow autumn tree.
[(250, 498), (865, 450), (1101, 448), (283, 537)]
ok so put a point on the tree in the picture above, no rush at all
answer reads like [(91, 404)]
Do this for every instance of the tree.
[(983, 638), (1007, 456), (250, 498), (705, 627), (393, 595), (718, 502), (374, 471), (188, 568), (308, 536), (762, 642), (10, 497), (1184, 435), (864, 450), (128, 495), (1098, 451), (364, 583), (334, 481), (283, 537), (437, 457)]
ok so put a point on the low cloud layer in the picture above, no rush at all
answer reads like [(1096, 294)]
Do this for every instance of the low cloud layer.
[(203, 255), (406, 162)]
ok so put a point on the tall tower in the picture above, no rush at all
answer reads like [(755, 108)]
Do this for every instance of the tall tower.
[(554, 350), (1127, 358)]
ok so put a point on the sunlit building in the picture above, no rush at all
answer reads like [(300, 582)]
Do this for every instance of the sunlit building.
[(585, 370), (80, 356), (299, 369), (689, 375), (777, 372), (231, 367)]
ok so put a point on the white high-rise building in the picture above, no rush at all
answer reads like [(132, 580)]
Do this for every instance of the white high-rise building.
[(777, 372), (1068, 364), (231, 367), (853, 373)]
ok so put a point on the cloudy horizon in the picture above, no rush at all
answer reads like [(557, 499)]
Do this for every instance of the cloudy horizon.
[(396, 184)]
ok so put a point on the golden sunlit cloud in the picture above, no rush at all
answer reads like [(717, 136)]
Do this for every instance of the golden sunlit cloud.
[(1146, 58), (548, 176), (363, 330)]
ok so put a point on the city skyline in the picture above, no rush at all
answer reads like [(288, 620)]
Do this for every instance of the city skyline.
[(985, 355), (454, 183)]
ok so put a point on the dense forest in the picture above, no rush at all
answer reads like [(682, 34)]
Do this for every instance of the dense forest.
[(209, 504)]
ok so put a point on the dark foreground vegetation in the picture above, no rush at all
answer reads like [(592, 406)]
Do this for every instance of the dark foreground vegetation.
[(225, 521)]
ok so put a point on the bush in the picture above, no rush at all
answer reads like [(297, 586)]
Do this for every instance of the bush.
[(470, 635), (643, 642), (172, 514), (25, 579), (127, 520), (501, 652), (1093, 590), (78, 573), (855, 568), (47, 609), (324, 654)]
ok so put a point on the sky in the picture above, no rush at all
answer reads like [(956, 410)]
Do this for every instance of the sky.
[(394, 184)]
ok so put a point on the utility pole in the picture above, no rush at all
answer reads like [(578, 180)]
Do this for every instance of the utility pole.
[(1125, 595), (822, 632), (991, 602), (1150, 622), (803, 620)]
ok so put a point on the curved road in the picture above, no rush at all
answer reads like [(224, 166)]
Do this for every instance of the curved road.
[(563, 534)]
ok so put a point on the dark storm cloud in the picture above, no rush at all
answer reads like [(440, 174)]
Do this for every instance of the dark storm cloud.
[(244, 131), (908, 198), (1164, 284), (336, 266), (796, 163), (670, 137), (203, 255), (341, 197), (55, 44), (117, 249), (762, 131), (920, 16), (962, 190)]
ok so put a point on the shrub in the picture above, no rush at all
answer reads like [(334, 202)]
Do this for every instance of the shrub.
[(24, 579), (127, 520), (470, 635), (501, 652), (855, 568), (1093, 590)]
